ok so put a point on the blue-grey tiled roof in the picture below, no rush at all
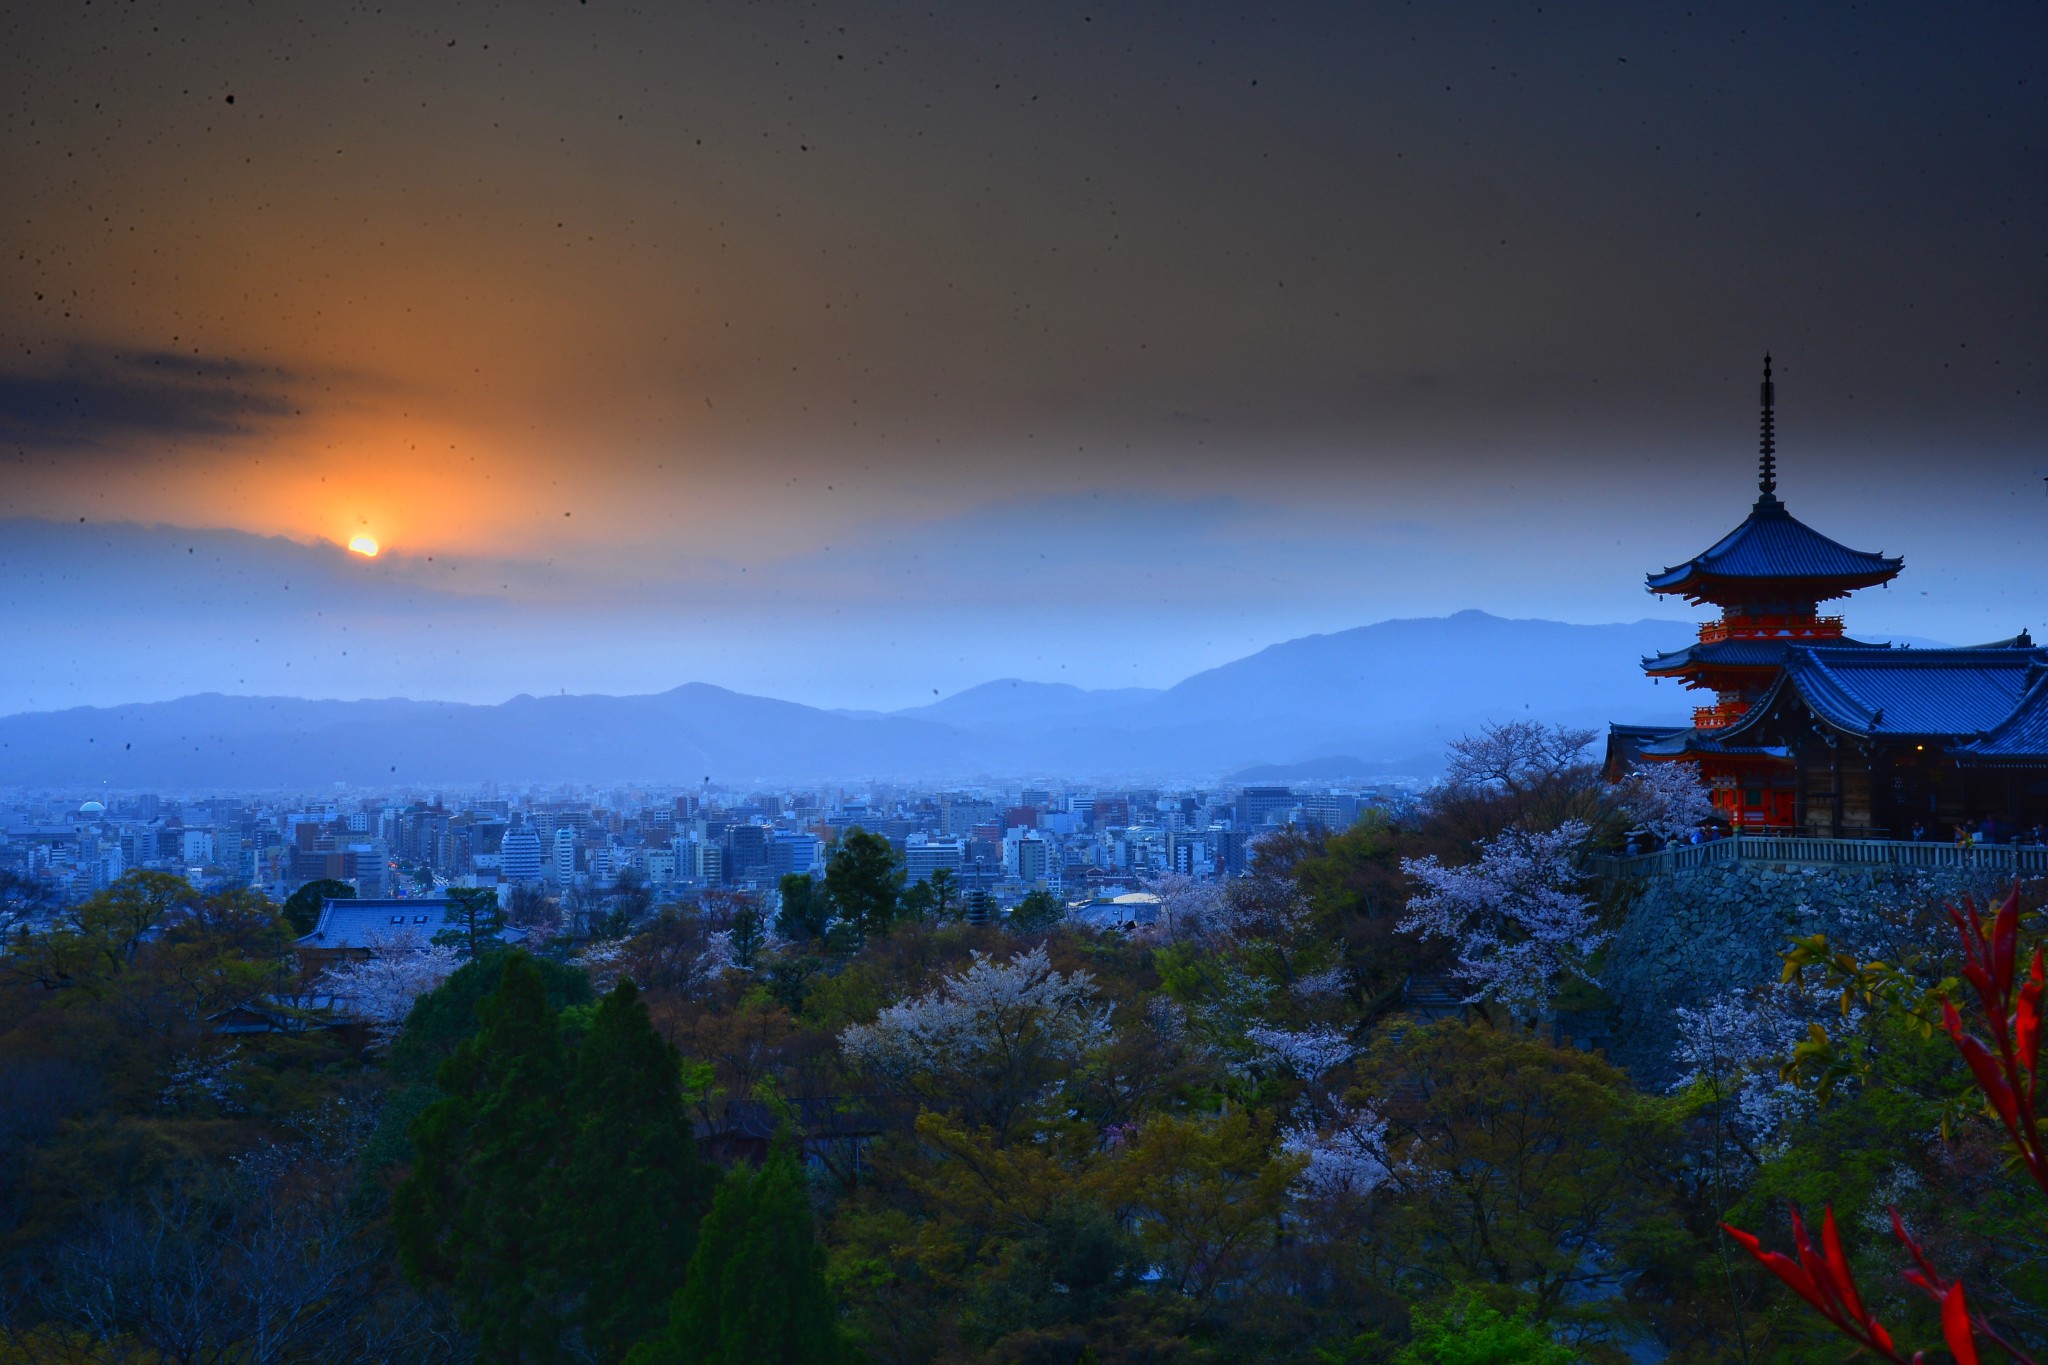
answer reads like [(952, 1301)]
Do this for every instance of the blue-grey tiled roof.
[(353, 923), (1741, 653), (1773, 545), (1680, 743), (1953, 694), (2022, 735)]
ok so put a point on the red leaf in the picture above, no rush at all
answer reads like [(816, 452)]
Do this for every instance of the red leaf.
[(1990, 1081), (1990, 1003), (1927, 1277), (1950, 1020), (1784, 1267), (2005, 937), (1955, 1326), (1838, 1266), (2027, 1019)]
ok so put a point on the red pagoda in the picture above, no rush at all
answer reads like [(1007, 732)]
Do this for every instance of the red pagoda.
[(1814, 731)]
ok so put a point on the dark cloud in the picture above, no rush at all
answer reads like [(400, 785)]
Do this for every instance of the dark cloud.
[(99, 397)]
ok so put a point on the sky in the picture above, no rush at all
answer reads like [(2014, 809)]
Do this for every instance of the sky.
[(854, 353)]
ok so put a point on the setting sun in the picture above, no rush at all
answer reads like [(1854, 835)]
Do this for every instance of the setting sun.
[(366, 546)]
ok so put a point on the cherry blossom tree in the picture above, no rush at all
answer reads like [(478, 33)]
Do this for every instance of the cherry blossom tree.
[(1668, 799), (1517, 915), (988, 1042), (1188, 908), (401, 968), (1308, 1053), (1736, 1044), (1344, 1159)]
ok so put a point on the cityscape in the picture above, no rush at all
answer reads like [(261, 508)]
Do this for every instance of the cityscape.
[(1057, 684), (579, 850)]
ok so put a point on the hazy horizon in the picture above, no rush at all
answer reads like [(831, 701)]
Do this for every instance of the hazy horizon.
[(865, 354)]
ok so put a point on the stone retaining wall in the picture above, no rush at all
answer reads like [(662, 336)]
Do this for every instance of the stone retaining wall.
[(1693, 934)]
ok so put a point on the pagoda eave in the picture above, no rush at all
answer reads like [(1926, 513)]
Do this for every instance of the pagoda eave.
[(1709, 589)]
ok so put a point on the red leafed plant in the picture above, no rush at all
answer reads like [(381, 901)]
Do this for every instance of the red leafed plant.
[(2006, 1069)]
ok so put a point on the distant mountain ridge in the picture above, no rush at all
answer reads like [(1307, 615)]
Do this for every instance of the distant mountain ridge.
[(1383, 698)]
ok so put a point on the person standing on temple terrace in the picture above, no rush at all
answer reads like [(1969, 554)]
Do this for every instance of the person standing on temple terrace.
[(1919, 831), (1964, 839)]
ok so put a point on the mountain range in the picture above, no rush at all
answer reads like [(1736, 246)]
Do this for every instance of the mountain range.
[(1376, 701)]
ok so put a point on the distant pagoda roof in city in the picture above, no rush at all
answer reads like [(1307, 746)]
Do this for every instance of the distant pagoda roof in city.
[(1772, 547)]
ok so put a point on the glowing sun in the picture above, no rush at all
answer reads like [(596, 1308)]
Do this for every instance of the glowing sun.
[(366, 546)]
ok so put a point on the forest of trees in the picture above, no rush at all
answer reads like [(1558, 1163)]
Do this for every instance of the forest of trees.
[(863, 1129)]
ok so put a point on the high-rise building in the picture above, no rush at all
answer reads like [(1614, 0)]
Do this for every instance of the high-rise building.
[(708, 863), (746, 853), (565, 856), (793, 851), (1257, 805), (1032, 861), (519, 856), (922, 859)]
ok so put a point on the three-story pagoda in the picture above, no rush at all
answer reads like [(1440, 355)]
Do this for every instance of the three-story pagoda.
[(1814, 731)]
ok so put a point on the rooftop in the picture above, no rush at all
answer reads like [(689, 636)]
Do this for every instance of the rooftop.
[(1745, 652), (1771, 551), (358, 923)]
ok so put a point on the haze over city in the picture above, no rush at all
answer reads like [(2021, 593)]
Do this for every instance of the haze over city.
[(856, 355)]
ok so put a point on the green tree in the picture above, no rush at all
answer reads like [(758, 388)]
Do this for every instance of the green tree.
[(473, 921), (755, 1292), (1357, 893), (749, 933), (302, 907), (94, 942), (443, 1018), (945, 893), (1468, 1332), (805, 909), (919, 904), (473, 1214), (864, 882), (1037, 912), (633, 1186), (1525, 1156)]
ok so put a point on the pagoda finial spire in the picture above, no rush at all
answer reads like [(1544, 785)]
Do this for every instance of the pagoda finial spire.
[(1767, 462)]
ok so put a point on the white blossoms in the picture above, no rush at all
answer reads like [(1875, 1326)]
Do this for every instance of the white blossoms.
[(1668, 799), (381, 990), (1516, 915), (1308, 1053), (1736, 1043), (1346, 1160), (991, 1009)]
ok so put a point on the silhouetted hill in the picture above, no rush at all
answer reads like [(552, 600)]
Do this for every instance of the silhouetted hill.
[(1009, 701), (686, 734), (1385, 697)]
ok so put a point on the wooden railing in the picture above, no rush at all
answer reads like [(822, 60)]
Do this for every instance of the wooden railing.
[(2021, 860), (1771, 627)]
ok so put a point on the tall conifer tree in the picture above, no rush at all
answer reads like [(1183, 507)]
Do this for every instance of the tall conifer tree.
[(633, 1187), (473, 1213), (755, 1293)]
